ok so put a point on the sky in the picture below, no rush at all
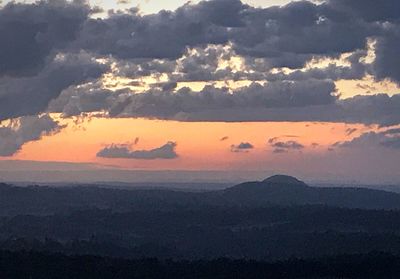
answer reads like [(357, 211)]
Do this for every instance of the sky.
[(218, 90)]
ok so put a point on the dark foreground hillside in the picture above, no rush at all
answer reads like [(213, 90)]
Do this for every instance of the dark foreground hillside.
[(277, 219), (269, 233), (31, 265)]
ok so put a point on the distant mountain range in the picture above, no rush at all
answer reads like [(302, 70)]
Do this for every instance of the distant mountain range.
[(277, 190)]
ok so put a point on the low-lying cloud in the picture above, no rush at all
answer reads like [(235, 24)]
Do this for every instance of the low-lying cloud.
[(281, 146), (124, 151), (387, 139), (242, 147)]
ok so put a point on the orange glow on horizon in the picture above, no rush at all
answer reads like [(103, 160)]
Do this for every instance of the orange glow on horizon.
[(199, 144)]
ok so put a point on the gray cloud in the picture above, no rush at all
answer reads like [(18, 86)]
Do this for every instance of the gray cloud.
[(167, 151), (377, 109), (86, 98), (31, 95), (169, 105), (291, 35), (163, 35), (286, 36), (280, 146), (31, 74), (241, 147), (25, 129), (35, 61), (387, 60), (311, 100), (387, 139), (385, 20), (31, 32), (367, 9)]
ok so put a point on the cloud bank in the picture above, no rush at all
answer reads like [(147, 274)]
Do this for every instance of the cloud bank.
[(56, 53)]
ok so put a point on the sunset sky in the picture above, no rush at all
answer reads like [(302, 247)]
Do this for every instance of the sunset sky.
[(306, 88)]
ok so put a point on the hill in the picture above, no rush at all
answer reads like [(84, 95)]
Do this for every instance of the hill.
[(287, 190)]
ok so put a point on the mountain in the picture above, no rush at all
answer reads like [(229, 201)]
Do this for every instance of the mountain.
[(284, 179), (286, 190)]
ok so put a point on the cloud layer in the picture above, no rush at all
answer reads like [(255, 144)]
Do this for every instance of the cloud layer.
[(58, 53)]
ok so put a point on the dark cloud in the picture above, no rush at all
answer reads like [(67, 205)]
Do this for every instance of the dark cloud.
[(287, 36), (35, 63), (387, 60), (368, 10), (280, 150), (224, 138), (242, 147), (163, 35), (288, 145), (133, 68), (25, 129), (31, 32), (169, 86), (387, 139), (167, 151), (86, 98), (280, 146), (35, 36), (31, 95), (377, 109), (169, 105), (291, 35), (391, 131), (275, 101), (356, 70), (385, 20)]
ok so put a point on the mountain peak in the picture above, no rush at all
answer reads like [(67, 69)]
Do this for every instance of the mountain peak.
[(283, 179)]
